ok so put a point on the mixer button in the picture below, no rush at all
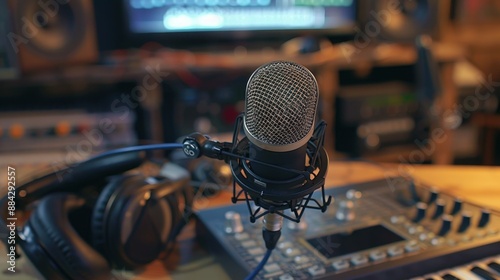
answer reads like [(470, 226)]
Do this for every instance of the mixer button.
[(272, 267), (451, 242), (285, 245), (480, 233), (345, 211), (413, 190), (353, 194), (492, 231), (482, 273), (398, 219), (294, 226), (412, 246), (426, 236), (359, 260), (259, 259), (233, 222), (273, 275), (301, 259), (466, 238), (316, 270), (249, 243), (286, 277), (415, 229), (408, 224), (485, 218), (437, 241), (241, 236), (340, 265), (377, 255), (394, 251), (292, 252), (256, 251)]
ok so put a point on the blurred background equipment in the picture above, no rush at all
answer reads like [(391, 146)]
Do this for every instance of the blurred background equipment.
[(192, 74), (8, 61), (400, 20), (52, 34)]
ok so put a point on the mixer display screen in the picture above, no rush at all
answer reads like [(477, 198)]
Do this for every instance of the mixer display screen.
[(343, 243)]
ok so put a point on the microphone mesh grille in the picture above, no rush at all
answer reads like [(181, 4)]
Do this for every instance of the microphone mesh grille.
[(281, 101)]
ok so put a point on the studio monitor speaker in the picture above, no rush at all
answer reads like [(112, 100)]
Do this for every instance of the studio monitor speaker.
[(400, 20), (52, 33)]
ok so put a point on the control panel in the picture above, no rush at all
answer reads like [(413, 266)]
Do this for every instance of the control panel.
[(387, 229), (66, 130)]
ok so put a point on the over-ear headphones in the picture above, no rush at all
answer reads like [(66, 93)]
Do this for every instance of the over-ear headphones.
[(95, 218)]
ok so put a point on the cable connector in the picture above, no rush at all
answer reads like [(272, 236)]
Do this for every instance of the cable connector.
[(196, 145), (271, 238)]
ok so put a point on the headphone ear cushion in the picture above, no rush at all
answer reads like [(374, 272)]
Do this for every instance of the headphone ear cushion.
[(98, 223), (50, 222), (144, 233)]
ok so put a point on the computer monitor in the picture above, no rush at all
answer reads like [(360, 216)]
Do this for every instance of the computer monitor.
[(175, 22)]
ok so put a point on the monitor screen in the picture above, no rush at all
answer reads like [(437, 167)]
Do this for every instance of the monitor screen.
[(233, 16)]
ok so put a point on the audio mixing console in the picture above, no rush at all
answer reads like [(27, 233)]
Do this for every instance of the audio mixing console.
[(387, 229)]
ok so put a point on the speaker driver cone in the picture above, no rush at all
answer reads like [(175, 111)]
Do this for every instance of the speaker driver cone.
[(57, 32)]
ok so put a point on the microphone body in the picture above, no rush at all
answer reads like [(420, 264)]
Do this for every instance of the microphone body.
[(291, 160), (280, 108)]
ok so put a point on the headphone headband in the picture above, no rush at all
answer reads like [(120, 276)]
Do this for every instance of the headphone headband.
[(78, 176)]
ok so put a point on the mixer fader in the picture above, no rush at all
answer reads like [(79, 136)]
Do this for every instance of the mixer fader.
[(386, 229)]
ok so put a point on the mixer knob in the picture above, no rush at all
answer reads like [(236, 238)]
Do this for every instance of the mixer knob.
[(464, 225), (421, 209), (433, 195), (353, 194), (345, 212), (413, 191), (233, 222), (294, 226), (440, 205), (457, 206), (446, 221), (485, 218)]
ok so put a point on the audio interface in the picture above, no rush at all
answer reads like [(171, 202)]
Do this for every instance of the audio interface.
[(386, 229)]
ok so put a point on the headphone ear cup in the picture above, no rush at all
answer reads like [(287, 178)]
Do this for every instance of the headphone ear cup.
[(98, 223), (59, 240), (129, 225)]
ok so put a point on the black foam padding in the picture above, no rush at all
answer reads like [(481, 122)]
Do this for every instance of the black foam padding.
[(50, 222), (100, 212)]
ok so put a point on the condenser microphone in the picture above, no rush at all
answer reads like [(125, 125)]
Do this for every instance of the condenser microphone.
[(280, 161), (280, 109)]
